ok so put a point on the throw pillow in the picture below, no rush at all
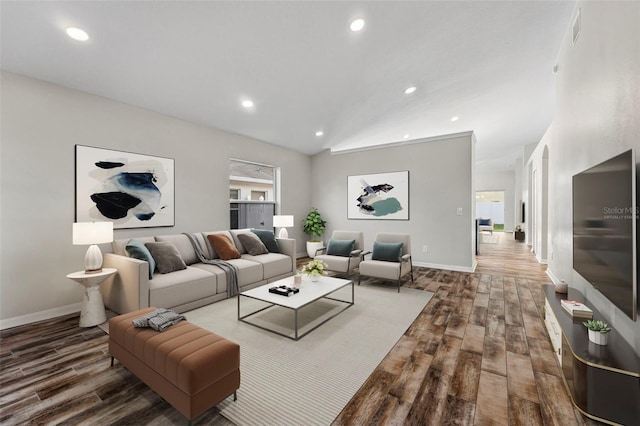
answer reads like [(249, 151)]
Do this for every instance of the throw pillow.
[(137, 250), (268, 238), (167, 257), (252, 243), (389, 252), (484, 222), (223, 246), (340, 247)]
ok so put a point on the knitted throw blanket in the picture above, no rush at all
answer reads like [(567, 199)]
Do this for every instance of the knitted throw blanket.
[(159, 320), (231, 271)]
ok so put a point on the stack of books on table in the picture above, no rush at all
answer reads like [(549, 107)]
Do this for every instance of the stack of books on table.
[(576, 309)]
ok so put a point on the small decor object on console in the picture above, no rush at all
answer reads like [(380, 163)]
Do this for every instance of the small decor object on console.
[(576, 309), (597, 331), (562, 287), (314, 269)]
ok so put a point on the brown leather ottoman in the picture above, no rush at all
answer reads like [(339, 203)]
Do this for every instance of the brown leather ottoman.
[(190, 367)]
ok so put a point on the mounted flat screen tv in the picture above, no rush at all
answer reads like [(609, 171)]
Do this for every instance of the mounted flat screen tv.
[(604, 230)]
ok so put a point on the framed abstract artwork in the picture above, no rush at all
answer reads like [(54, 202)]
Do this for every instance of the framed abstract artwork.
[(378, 196), (130, 190)]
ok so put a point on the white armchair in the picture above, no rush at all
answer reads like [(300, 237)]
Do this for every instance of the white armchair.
[(485, 225), (390, 258), (343, 252)]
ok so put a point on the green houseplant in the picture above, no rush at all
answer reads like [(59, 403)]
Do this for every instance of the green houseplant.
[(597, 331), (313, 225)]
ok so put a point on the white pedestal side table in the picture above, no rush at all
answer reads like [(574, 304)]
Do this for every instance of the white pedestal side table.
[(92, 312)]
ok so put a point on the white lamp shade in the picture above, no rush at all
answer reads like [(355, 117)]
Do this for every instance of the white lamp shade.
[(283, 221), (87, 233)]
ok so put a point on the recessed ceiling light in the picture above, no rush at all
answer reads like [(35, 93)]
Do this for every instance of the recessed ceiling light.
[(247, 103), (357, 24), (319, 133), (409, 90), (456, 118), (77, 34), (406, 136)]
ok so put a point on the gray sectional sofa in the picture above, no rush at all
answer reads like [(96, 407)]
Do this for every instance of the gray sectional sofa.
[(199, 284)]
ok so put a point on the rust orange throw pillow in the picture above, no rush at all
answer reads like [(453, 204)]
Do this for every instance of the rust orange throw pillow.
[(223, 246)]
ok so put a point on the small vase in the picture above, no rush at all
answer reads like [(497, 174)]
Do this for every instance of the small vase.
[(598, 338), (314, 278)]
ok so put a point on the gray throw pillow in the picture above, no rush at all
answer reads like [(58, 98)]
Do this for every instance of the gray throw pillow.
[(268, 238), (167, 257), (340, 247), (252, 243), (137, 250), (389, 252)]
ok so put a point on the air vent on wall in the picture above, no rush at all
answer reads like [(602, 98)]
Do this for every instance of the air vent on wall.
[(576, 27)]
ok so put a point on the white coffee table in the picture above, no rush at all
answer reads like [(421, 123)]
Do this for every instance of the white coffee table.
[(309, 292)]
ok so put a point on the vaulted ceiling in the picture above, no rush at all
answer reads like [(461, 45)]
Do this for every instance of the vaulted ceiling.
[(489, 63)]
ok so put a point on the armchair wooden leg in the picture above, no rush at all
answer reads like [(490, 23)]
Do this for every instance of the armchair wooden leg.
[(359, 276)]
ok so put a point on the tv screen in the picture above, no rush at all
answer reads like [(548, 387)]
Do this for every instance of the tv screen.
[(604, 242)]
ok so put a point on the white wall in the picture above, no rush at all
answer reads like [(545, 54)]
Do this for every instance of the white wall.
[(501, 181), (597, 116), (40, 125), (440, 181)]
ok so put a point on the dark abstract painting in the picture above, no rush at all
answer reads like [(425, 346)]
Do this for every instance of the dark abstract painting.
[(131, 190), (378, 196)]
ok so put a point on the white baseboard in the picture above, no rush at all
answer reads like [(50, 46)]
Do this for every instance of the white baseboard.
[(40, 316), (456, 268), (553, 276)]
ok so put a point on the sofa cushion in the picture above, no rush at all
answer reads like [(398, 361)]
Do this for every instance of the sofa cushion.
[(138, 250), (166, 256), (181, 287), (340, 247), (223, 246), (249, 272), (252, 243), (184, 246), (388, 252), (268, 238), (273, 264)]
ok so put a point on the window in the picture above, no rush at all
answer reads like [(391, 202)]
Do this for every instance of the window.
[(251, 194), (234, 194)]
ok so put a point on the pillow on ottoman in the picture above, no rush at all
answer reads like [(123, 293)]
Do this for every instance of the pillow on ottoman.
[(223, 246), (252, 243), (167, 257)]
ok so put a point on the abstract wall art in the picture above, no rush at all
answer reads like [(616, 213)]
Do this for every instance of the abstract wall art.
[(131, 190), (378, 196)]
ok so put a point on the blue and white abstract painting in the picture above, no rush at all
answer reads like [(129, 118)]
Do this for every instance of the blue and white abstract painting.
[(130, 190), (378, 196)]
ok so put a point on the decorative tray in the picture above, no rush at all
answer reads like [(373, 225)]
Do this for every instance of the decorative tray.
[(283, 290)]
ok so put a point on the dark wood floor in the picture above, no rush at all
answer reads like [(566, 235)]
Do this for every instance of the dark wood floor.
[(477, 354)]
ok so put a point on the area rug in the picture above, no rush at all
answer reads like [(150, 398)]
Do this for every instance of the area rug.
[(489, 239), (309, 381)]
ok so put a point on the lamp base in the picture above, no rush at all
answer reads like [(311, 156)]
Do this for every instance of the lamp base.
[(283, 233), (93, 260)]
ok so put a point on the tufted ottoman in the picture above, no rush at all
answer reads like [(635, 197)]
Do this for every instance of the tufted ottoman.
[(190, 367)]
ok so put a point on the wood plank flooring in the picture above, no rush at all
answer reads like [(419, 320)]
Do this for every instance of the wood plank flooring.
[(477, 354)]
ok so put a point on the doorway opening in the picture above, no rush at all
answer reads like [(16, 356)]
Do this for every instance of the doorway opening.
[(490, 205)]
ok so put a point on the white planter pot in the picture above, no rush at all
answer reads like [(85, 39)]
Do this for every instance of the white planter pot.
[(598, 338), (312, 247)]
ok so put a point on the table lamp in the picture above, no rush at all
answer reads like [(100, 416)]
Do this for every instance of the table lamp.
[(283, 222), (92, 233)]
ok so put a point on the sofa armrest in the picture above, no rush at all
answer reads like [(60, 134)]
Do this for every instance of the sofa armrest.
[(128, 290), (288, 247)]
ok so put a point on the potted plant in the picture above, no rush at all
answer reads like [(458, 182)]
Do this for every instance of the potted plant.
[(597, 331), (314, 269), (313, 225)]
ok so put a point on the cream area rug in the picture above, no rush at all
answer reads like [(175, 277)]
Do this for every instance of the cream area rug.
[(309, 381), (489, 239)]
